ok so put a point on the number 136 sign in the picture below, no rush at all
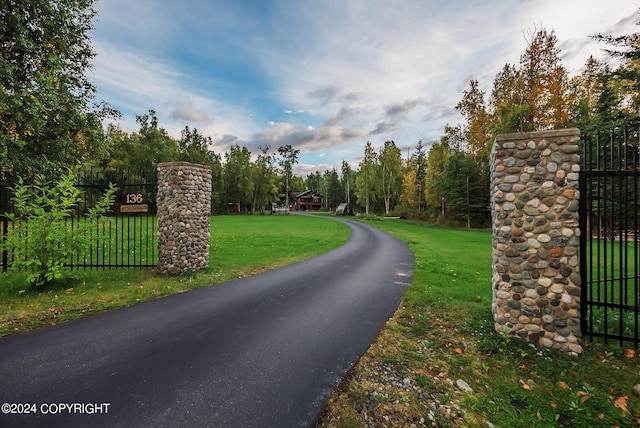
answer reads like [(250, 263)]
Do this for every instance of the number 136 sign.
[(133, 204)]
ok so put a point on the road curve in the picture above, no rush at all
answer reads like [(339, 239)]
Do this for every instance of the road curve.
[(264, 351)]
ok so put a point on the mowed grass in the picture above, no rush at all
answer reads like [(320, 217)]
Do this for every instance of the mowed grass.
[(240, 246), (443, 333)]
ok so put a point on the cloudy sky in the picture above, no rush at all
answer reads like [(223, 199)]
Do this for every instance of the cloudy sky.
[(325, 76)]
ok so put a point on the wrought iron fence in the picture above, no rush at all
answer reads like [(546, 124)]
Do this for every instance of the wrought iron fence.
[(126, 238), (610, 234)]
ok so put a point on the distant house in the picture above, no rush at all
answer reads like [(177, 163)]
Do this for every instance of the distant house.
[(307, 201), (233, 208)]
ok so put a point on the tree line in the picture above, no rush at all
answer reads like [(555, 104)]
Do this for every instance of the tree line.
[(49, 120), (449, 182)]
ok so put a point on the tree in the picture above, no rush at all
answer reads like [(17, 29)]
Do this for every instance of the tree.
[(289, 157), (144, 150), (195, 147), (238, 178), (435, 191), (218, 194), (510, 113), (347, 179), (390, 173), (466, 197), (625, 80), (418, 163), (265, 189), (410, 196), (477, 132), (332, 197), (314, 181), (47, 108), (151, 145), (586, 90), (366, 179)]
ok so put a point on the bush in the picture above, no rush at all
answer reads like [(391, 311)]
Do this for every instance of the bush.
[(40, 239)]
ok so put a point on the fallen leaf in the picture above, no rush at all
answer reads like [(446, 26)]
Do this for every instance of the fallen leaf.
[(629, 353), (524, 385), (584, 396), (600, 416), (621, 402), (458, 351), (553, 404), (564, 385), (522, 367)]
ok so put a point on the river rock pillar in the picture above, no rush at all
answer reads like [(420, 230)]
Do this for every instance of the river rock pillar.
[(184, 207), (536, 237)]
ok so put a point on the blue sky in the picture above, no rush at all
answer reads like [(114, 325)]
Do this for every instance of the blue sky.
[(325, 76)]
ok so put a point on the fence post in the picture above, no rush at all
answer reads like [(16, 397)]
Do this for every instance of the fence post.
[(184, 206), (536, 234)]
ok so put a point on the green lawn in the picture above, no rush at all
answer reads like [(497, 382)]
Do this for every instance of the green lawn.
[(444, 333), (613, 271), (240, 246)]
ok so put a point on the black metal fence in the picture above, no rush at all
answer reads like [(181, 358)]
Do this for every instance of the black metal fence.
[(126, 238), (610, 235)]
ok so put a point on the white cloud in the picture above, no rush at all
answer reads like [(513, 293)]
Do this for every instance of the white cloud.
[(332, 74), (134, 83)]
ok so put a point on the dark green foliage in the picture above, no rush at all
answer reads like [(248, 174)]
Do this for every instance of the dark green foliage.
[(40, 238), (48, 117)]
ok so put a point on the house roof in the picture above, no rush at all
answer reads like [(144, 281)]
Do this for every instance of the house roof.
[(297, 195)]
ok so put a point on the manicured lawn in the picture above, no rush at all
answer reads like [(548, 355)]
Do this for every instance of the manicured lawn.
[(442, 337), (240, 246)]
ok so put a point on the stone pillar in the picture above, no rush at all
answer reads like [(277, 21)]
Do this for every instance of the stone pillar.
[(184, 206), (536, 237)]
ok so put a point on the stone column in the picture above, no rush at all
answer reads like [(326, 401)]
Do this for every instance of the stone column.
[(536, 236), (184, 206)]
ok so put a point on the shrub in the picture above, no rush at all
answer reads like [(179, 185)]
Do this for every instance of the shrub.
[(40, 239)]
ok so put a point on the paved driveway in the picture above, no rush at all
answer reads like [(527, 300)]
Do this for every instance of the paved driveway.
[(264, 351)]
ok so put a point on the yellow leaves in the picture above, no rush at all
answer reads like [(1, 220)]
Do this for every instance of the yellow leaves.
[(459, 351), (13, 133), (564, 386), (80, 142), (629, 353)]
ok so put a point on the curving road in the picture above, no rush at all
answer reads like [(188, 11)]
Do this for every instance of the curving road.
[(264, 351)]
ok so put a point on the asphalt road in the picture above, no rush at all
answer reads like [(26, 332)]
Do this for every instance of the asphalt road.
[(264, 351)]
